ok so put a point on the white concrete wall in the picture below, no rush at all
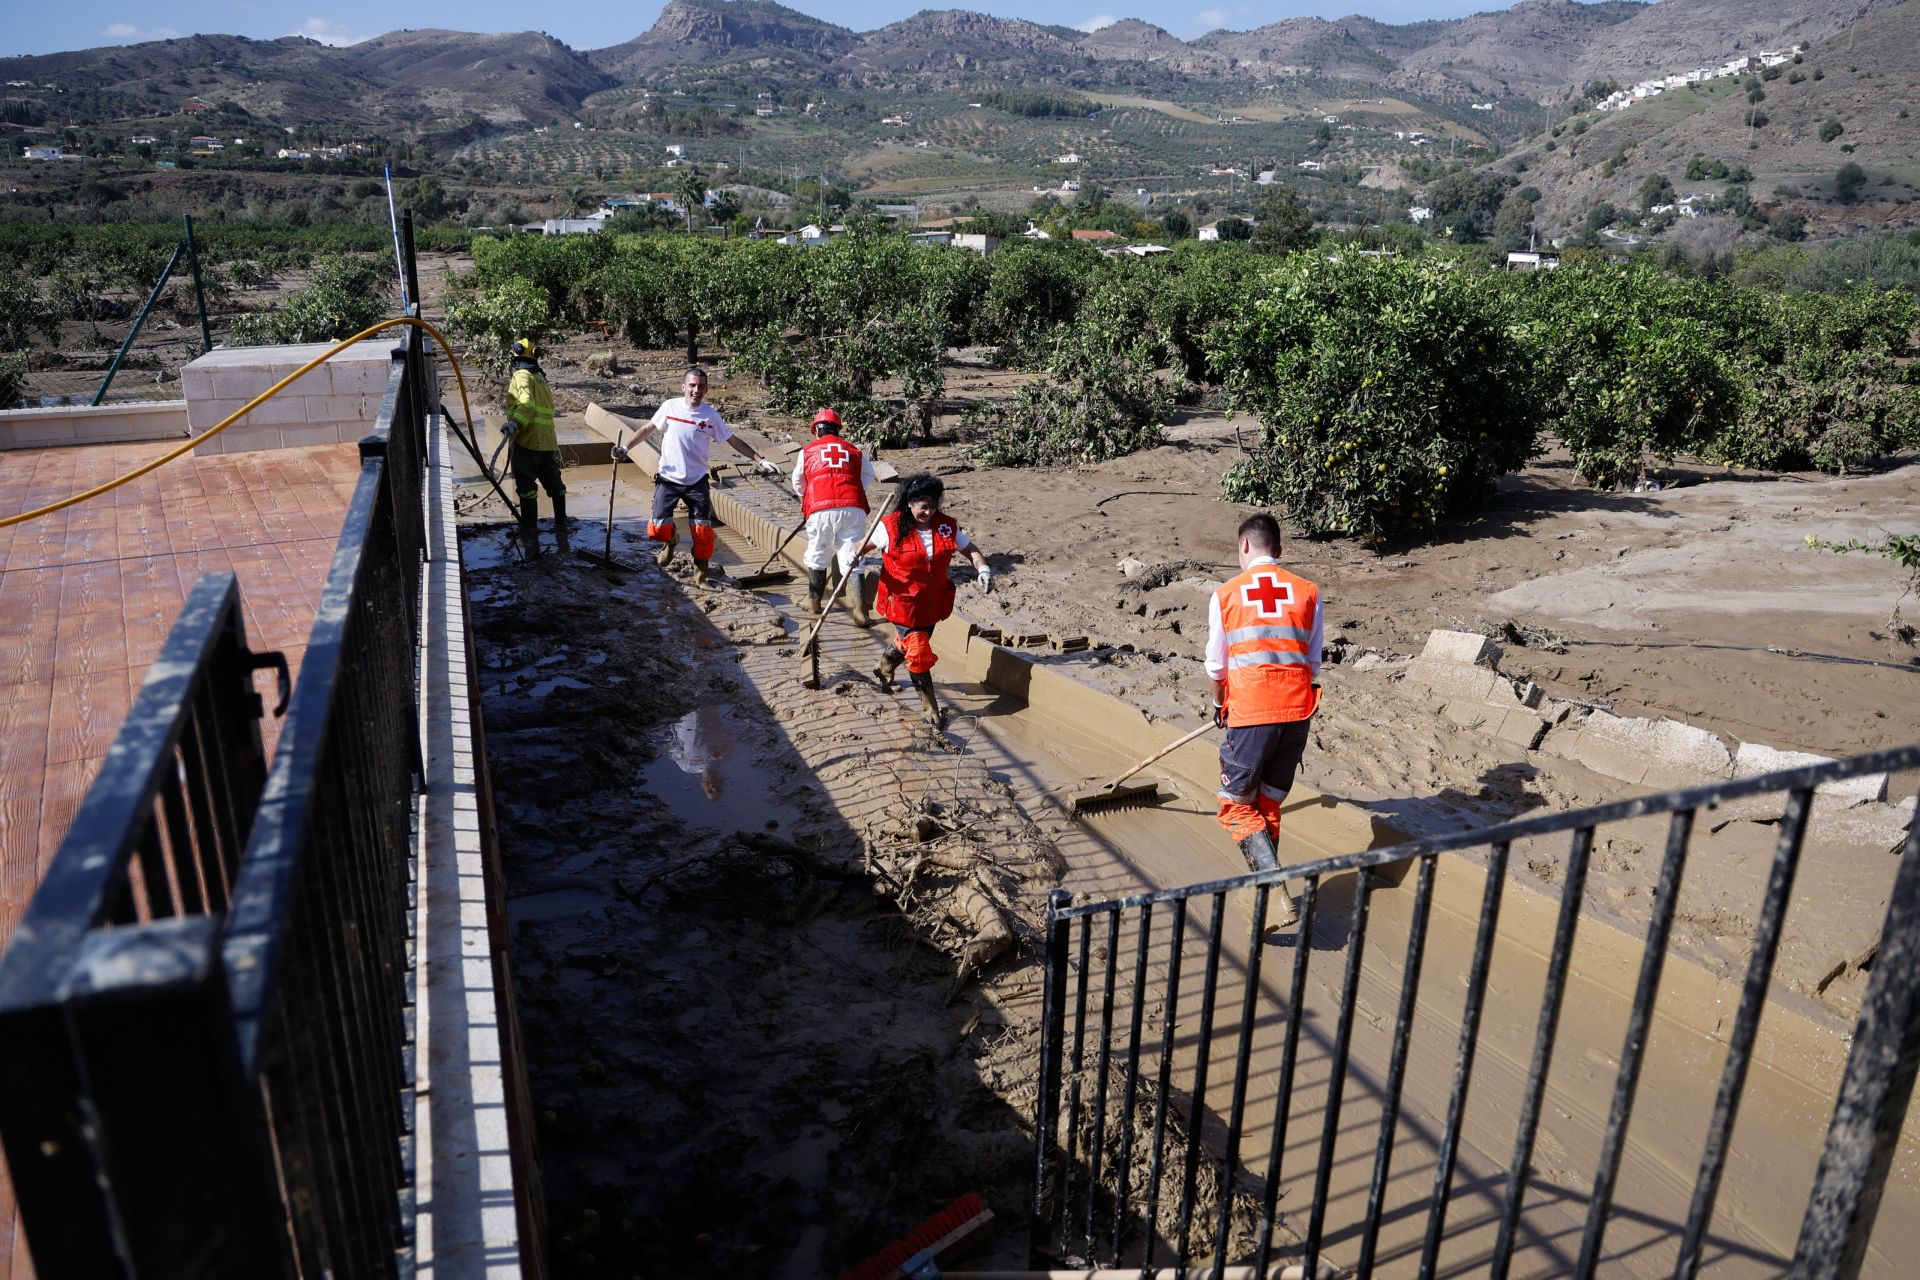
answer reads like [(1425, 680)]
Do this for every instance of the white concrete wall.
[(334, 403), (93, 424)]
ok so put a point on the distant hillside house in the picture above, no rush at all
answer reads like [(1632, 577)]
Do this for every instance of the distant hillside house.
[(979, 243), (193, 106), (46, 153), (1072, 157), (1527, 260), (1094, 234), (142, 140), (573, 226), (1419, 215)]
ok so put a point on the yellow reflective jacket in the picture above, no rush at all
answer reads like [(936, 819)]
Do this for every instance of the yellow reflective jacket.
[(530, 406)]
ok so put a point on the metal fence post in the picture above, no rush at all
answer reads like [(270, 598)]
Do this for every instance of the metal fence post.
[(1053, 1010), (1874, 1093)]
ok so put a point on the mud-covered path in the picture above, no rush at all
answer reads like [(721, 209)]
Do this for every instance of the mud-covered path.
[(744, 1059)]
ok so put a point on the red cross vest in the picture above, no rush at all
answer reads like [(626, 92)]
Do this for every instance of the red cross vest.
[(1267, 614), (830, 475), (914, 588)]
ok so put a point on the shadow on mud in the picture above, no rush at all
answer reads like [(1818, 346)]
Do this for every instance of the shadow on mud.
[(740, 1057)]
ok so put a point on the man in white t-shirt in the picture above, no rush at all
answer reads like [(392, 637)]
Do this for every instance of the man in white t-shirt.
[(689, 427)]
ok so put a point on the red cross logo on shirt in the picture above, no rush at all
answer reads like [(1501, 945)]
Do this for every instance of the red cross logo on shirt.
[(945, 530), (1266, 594), (836, 456)]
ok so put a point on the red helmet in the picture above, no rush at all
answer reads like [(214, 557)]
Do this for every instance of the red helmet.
[(826, 417)]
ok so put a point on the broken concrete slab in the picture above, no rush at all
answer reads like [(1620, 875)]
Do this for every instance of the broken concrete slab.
[(1522, 729), (1664, 753), (1465, 647), (1449, 680), (1755, 758)]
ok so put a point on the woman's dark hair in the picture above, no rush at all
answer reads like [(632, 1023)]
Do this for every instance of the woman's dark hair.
[(921, 485)]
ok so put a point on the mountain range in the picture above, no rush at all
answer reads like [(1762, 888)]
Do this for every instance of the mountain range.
[(423, 80)]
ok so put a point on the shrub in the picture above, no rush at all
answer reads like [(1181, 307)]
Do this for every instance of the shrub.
[(1628, 376), (1391, 394), (490, 320), (1831, 130), (345, 295), (1099, 400)]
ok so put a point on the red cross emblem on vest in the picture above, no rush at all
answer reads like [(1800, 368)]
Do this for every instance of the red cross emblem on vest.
[(945, 530), (1266, 594), (836, 456)]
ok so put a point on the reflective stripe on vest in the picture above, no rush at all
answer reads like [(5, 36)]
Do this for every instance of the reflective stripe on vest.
[(830, 476), (1266, 615)]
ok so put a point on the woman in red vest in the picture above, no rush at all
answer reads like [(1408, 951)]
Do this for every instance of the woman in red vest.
[(916, 544)]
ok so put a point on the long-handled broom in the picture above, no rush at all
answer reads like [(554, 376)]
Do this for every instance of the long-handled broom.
[(810, 647), (763, 577), (1116, 796)]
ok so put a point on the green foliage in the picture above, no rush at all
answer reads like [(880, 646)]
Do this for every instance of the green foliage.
[(24, 313), (1231, 229), (1035, 287), (1099, 399), (1901, 548), (490, 319), (13, 378), (1285, 224), (1831, 130), (1038, 105), (1847, 181), (345, 295), (1627, 376), (1392, 394)]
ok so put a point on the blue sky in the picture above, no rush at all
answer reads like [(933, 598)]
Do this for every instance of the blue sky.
[(83, 24)]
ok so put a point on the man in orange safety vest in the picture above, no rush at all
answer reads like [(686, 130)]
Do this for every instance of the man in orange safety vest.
[(1264, 639)]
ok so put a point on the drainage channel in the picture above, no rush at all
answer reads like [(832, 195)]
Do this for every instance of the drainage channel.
[(1037, 733)]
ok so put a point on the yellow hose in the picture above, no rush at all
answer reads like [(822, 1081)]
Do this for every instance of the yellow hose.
[(242, 412)]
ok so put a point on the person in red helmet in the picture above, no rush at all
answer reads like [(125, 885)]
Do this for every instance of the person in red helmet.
[(689, 427), (916, 543), (831, 476)]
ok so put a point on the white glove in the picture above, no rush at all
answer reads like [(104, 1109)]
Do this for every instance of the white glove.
[(620, 452), (766, 466), (986, 582)]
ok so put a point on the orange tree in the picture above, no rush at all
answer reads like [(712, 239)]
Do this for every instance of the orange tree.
[(1392, 394)]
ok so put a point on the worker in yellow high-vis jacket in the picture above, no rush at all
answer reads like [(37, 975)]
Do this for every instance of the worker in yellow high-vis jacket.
[(534, 454)]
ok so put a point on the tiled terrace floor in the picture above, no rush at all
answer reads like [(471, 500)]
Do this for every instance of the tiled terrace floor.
[(88, 594)]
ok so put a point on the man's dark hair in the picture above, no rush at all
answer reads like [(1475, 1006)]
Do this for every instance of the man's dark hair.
[(921, 485), (696, 371), (1263, 531)]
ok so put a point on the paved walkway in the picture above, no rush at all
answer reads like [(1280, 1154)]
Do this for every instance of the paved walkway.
[(88, 594)]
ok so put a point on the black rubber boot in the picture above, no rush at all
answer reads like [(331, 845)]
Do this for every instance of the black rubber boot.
[(561, 540), (664, 556), (816, 588), (930, 708), (702, 573), (1260, 854), (529, 525), (889, 663)]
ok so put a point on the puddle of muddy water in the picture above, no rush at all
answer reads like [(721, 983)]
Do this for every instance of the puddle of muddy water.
[(708, 776)]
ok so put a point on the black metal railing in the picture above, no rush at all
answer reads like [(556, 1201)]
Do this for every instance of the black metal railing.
[(1105, 1088), (207, 1009)]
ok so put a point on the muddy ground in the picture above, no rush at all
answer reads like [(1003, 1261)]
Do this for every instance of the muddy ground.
[(1699, 601)]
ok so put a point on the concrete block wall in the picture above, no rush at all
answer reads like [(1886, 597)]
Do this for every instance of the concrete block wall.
[(333, 403), (93, 424)]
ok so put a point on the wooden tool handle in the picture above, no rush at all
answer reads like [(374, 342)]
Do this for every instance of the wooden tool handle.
[(781, 547), (1169, 749), (806, 646)]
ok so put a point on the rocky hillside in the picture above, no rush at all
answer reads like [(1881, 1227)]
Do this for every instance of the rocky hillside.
[(1846, 102)]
